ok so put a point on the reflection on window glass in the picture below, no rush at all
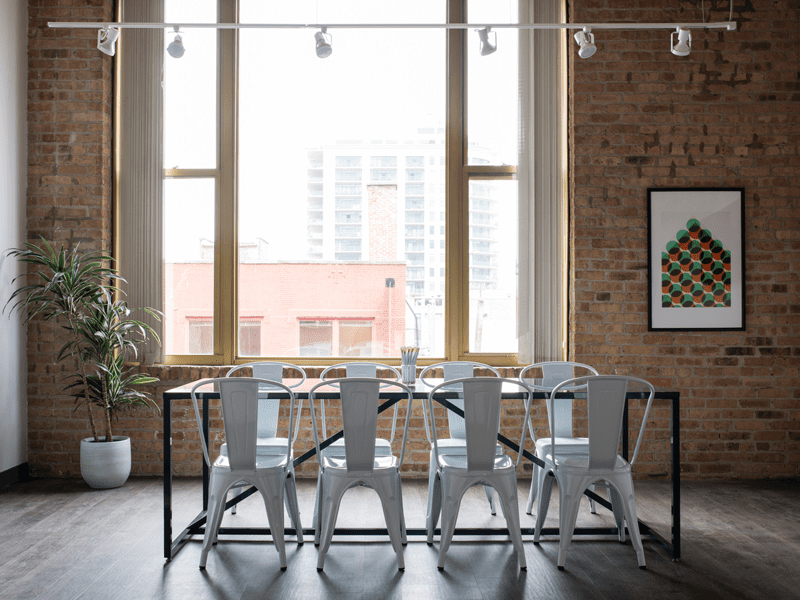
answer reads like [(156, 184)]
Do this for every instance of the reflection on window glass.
[(322, 177), (188, 266), (190, 88), (492, 87), (493, 267)]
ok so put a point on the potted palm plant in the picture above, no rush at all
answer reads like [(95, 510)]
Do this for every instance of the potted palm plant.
[(77, 290)]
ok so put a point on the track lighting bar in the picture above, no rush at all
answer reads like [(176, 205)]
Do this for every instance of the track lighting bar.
[(728, 25)]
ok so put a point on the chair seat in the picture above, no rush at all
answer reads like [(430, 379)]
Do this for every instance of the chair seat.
[(459, 446), (265, 446), (382, 448), (339, 463), (263, 462), (577, 463), (565, 445), (458, 462)]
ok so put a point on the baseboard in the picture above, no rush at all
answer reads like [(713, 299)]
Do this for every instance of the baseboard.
[(14, 475)]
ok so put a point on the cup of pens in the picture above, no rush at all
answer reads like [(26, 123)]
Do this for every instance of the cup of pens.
[(408, 361)]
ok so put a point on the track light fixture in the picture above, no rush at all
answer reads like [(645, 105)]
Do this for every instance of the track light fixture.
[(487, 47), (107, 40), (585, 40), (175, 48), (684, 45), (324, 43)]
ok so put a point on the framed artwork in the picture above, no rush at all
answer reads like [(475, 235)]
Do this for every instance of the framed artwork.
[(695, 262)]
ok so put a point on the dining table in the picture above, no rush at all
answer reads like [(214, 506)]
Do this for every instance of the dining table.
[(389, 397)]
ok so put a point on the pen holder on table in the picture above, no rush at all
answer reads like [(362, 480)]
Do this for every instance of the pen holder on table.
[(408, 360)]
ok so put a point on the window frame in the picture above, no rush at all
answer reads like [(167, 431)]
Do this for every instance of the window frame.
[(458, 174)]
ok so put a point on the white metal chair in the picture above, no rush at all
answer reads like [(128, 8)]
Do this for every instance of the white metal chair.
[(553, 373), (456, 443), (575, 473), (360, 464), (268, 410), (272, 474), (383, 447), (480, 465)]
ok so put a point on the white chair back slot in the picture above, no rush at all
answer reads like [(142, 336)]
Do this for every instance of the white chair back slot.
[(268, 408), (482, 422), (457, 369), (240, 416), (361, 370), (360, 422), (605, 421)]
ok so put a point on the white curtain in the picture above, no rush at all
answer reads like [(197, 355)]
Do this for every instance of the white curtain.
[(139, 163), (542, 184)]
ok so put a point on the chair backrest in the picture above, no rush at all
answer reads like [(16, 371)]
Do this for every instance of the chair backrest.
[(239, 399), (553, 373), (268, 408), (359, 369), (360, 398), (605, 397), (481, 401), (455, 370)]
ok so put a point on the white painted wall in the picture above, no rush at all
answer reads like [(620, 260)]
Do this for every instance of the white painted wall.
[(13, 152)]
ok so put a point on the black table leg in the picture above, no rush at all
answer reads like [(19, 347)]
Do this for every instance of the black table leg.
[(167, 414)]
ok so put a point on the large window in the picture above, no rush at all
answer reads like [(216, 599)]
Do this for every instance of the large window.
[(344, 207)]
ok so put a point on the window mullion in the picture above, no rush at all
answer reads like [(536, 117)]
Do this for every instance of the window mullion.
[(456, 298), (225, 318)]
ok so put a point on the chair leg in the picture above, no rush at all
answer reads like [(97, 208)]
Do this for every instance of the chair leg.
[(625, 487), (489, 491), (592, 507), (619, 511), (290, 495), (392, 504), (507, 492), (452, 493), (331, 498), (272, 492), (315, 519), (534, 488), (399, 492), (234, 492), (570, 491), (216, 505), (435, 504), (543, 504)]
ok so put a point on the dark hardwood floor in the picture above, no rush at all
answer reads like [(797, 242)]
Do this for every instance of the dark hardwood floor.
[(61, 540)]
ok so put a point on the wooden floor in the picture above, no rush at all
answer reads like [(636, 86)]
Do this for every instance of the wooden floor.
[(61, 540)]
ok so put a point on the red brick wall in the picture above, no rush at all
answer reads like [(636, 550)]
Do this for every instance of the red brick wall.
[(69, 196), (382, 215), (725, 116)]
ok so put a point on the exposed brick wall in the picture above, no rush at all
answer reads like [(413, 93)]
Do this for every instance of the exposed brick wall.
[(725, 116), (69, 196)]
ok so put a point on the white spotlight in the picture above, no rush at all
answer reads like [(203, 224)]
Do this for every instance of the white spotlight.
[(175, 48), (324, 43), (487, 47), (585, 40), (684, 45), (107, 40)]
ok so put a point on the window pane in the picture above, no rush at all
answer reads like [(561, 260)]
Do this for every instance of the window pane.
[(250, 337), (355, 339), (188, 266), (493, 266), (318, 171), (190, 88), (493, 89), (316, 338)]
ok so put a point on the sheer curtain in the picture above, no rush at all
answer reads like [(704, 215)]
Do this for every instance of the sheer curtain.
[(139, 164), (542, 184)]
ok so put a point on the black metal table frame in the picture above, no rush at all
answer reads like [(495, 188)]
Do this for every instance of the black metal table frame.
[(197, 525)]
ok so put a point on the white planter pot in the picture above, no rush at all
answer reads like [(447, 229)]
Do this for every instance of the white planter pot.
[(106, 464)]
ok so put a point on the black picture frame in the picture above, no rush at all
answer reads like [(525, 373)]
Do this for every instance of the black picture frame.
[(695, 259)]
